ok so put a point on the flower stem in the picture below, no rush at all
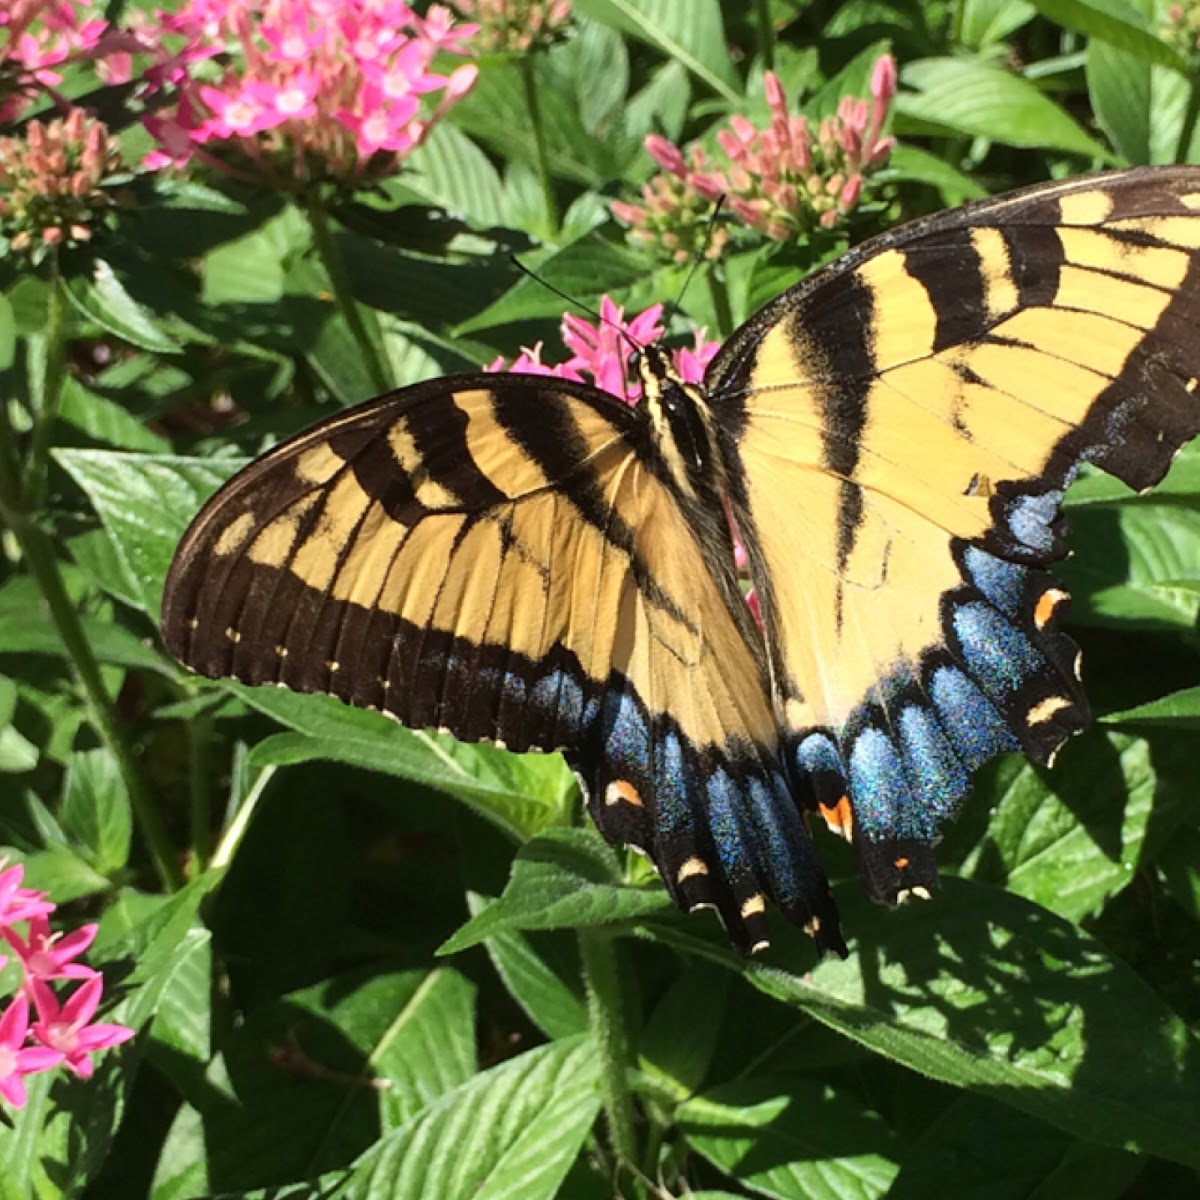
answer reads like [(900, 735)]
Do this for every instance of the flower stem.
[(1187, 131), (766, 33), (199, 732), (38, 553), (33, 488), (606, 1020), (335, 268), (233, 835), (525, 64)]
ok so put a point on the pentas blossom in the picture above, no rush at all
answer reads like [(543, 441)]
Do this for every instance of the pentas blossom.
[(1181, 27), (517, 26), (36, 38), (58, 181), (601, 354), (64, 1031), (302, 91), (782, 181)]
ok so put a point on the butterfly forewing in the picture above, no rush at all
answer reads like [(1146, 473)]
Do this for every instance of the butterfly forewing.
[(923, 403), (502, 558)]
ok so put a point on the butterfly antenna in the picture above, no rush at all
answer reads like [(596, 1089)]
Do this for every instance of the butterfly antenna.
[(591, 312), (674, 306)]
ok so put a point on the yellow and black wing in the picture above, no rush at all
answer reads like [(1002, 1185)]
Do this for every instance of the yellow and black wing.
[(504, 557), (901, 428)]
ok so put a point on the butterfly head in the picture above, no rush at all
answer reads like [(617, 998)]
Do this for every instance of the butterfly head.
[(680, 419)]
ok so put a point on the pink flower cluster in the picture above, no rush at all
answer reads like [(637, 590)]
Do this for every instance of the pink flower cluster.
[(305, 90), (36, 36), (516, 26), (63, 1032), (600, 354), (1181, 27), (783, 180), (57, 182)]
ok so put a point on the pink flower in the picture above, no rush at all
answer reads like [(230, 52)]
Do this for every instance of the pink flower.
[(311, 91), (47, 955), (601, 353), (65, 1029), (781, 180), (18, 903), (17, 1059)]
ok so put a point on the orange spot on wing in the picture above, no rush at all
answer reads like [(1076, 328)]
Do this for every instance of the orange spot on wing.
[(621, 791), (839, 816), (1047, 602), (900, 864)]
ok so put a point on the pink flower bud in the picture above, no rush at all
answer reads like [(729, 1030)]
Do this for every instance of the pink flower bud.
[(851, 192), (776, 99), (666, 154), (883, 79)]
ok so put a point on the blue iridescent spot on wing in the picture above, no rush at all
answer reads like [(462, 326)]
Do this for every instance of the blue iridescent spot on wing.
[(999, 656), (1031, 518), (882, 804), (1001, 583), (782, 841), (935, 772), (819, 753), (672, 786), (978, 729), (724, 800)]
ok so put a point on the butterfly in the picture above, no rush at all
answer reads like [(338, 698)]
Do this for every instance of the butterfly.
[(530, 561)]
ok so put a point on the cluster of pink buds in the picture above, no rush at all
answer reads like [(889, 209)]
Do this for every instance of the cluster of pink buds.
[(62, 1032), (1181, 27), (782, 181), (516, 26), (36, 37), (601, 353), (302, 91), (57, 181), (674, 218)]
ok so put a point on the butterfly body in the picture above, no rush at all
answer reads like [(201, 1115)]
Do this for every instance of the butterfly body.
[(528, 560)]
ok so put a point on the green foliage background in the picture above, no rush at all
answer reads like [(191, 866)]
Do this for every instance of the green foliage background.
[(392, 965)]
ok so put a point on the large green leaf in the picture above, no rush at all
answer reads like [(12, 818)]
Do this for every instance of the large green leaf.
[(519, 793), (792, 1138), (564, 879), (984, 990), (527, 1120), (145, 502), (971, 97)]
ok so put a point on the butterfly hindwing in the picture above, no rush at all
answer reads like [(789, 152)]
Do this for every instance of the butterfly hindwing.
[(923, 403), (502, 558)]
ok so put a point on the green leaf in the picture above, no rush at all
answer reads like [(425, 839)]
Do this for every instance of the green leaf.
[(1180, 710), (519, 793), (1072, 838), (17, 752), (528, 1118), (546, 1000), (63, 873), (680, 1039), (145, 502), (111, 644), (105, 420), (987, 22), (982, 989), (96, 810), (451, 172), (586, 269), (562, 879), (968, 1153), (971, 97), (1180, 866), (1125, 560), (102, 297), (792, 1138), (690, 32), (1101, 22)]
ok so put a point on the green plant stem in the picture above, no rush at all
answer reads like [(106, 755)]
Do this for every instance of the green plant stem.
[(38, 553), (33, 490), (232, 836), (606, 1020), (766, 33), (529, 80), (1187, 131), (339, 281), (199, 730)]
